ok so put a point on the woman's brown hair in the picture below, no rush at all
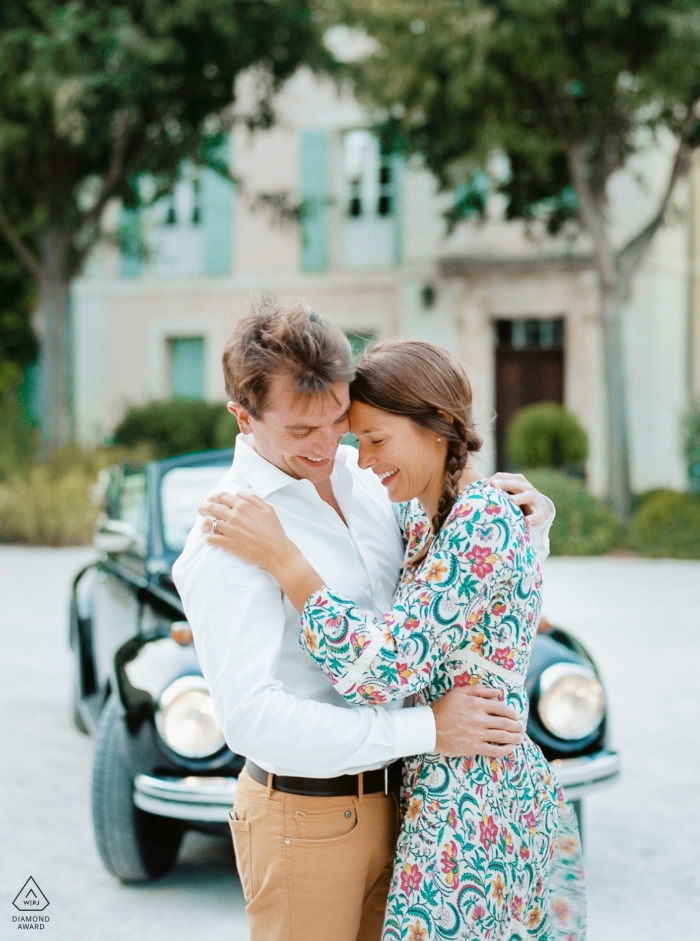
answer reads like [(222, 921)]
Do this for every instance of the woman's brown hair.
[(427, 384)]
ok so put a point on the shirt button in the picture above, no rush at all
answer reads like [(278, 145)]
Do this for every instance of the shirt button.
[(348, 813), (287, 840)]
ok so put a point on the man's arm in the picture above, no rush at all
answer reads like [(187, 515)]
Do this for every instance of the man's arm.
[(237, 616)]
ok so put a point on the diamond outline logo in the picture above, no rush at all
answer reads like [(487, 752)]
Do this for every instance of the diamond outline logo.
[(30, 898)]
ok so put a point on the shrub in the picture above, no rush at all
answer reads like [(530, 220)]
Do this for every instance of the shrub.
[(18, 443), (667, 524), (177, 427), (49, 504), (691, 445), (545, 435), (583, 525)]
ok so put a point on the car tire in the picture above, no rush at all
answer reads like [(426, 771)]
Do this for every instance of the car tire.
[(134, 846)]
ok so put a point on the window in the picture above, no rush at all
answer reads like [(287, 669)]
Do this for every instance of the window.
[(183, 490), (530, 334), (184, 234), (186, 355), (174, 229), (369, 204), (132, 502)]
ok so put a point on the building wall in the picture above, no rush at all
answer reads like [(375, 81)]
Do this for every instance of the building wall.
[(446, 288)]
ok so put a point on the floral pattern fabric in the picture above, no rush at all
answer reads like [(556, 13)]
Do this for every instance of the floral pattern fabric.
[(489, 850)]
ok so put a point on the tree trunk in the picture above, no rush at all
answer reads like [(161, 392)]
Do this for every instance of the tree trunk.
[(53, 317), (618, 469)]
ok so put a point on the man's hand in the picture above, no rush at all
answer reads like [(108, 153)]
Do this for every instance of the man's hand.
[(535, 506), (471, 720)]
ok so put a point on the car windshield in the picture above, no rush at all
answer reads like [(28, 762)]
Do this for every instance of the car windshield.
[(182, 490)]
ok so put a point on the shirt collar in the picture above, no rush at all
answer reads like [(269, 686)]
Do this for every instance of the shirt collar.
[(262, 476)]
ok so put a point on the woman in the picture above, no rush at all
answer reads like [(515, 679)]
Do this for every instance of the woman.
[(488, 848)]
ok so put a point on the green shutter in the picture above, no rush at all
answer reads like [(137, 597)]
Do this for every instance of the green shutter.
[(217, 218), (187, 367), (315, 149), (130, 244), (28, 396)]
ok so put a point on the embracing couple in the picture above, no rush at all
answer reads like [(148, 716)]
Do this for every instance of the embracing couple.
[(364, 621)]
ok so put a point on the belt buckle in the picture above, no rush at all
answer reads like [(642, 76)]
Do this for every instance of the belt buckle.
[(386, 780)]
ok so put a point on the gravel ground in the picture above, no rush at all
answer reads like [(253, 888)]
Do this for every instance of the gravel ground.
[(639, 618)]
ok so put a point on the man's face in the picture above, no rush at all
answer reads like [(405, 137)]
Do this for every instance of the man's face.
[(297, 433)]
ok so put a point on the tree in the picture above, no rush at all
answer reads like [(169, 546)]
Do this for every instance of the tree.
[(568, 90), (94, 93), (18, 346)]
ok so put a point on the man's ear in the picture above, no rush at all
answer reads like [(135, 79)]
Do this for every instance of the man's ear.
[(242, 416)]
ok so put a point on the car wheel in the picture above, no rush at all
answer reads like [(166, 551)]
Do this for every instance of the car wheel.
[(134, 846)]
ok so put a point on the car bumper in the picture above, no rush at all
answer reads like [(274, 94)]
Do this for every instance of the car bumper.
[(208, 800), (205, 800), (580, 776)]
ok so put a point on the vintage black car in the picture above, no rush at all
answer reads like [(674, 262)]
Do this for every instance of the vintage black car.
[(161, 763)]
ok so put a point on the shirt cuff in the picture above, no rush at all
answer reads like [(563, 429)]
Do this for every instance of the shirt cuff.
[(416, 733), (539, 535)]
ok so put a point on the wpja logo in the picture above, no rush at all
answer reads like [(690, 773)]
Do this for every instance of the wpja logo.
[(30, 899)]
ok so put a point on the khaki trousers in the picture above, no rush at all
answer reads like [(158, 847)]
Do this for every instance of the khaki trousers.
[(313, 868)]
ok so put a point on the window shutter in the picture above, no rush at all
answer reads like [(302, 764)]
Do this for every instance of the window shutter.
[(130, 243), (315, 150), (217, 217), (187, 368)]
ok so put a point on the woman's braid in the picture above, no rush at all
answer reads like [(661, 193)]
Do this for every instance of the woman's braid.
[(455, 463), (459, 445)]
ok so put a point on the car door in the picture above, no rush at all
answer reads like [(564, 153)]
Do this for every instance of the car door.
[(121, 576)]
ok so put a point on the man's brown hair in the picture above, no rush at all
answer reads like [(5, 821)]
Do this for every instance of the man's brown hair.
[(289, 339)]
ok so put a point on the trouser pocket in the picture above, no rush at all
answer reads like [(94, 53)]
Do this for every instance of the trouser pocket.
[(240, 831)]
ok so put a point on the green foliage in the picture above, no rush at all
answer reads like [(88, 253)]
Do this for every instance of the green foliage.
[(458, 80), (691, 445), (18, 443), (583, 525), (18, 346), (177, 427), (92, 94), (97, 95), (667, 524), (546, 435), (48, 504)]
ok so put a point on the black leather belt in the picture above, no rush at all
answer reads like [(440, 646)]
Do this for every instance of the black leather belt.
[(387, 780)]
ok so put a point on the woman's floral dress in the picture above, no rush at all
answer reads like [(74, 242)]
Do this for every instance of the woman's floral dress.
[(488, 848)]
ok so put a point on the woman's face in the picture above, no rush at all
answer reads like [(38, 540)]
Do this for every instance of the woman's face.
[(408, 459)]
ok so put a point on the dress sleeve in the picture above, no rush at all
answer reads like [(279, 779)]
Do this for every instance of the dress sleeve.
[(374, 659)]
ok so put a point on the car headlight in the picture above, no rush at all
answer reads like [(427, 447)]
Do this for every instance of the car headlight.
[(572, 702), (185, 718)]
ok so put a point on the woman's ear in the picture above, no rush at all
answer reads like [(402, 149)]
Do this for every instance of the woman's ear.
[(447, 417)]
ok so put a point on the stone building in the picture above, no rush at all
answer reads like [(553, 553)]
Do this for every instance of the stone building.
[(150, 321)]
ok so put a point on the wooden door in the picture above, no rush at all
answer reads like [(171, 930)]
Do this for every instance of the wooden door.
[(529, 368)]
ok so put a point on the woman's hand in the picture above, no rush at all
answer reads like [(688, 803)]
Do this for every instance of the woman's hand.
[(249, 528), (246, 526)]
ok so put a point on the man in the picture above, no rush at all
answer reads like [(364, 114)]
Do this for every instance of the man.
[(315, 820)]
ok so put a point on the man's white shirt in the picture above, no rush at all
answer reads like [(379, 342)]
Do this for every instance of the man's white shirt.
[(272, 702)]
